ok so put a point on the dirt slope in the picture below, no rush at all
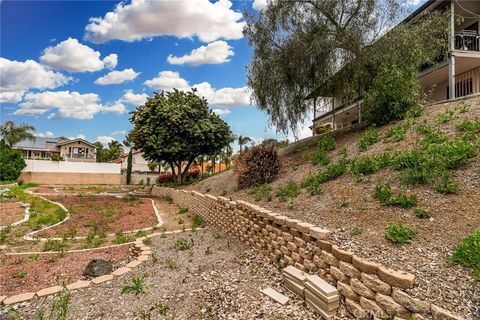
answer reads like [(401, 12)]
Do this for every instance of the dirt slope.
[(347, 204)]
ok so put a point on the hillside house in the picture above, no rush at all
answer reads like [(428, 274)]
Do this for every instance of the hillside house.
[(78, 150)]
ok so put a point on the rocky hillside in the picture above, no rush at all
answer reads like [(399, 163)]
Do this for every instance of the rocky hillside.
[(421, 175)]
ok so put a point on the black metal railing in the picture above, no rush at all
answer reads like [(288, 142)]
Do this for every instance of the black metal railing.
[(467, 41)]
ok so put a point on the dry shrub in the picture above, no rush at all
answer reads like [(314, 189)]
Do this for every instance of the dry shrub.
[(258, 165)]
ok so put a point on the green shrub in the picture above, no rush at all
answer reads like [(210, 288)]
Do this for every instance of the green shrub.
[(138, 286), (467, 253), (396, 133), (290, 191), (54, 245), (414, 112), (261, 192), (399, 233), (364, 166), (258, 165), (446, 116), (197, 221), (394, 91), (455, 153), (416, 166), (422, 214), (326, 143), (121, 237), (469, 126), (181, 245), (56, 157), (182, 210), (11, 162), (383, 192), (320, 157), (332, 171), (431, 135), (446, 185), (369, 138)]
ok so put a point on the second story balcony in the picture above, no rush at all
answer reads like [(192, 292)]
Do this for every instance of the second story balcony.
[(467, 40)]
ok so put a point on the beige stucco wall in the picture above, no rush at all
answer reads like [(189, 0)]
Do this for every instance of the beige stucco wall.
[(71, 178)]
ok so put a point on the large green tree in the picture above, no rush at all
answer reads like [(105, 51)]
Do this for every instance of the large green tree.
[(177, 127), (298, 45), (13, 133)]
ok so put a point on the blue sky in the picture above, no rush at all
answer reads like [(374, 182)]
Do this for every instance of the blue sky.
[(76, 69), (55, 60)]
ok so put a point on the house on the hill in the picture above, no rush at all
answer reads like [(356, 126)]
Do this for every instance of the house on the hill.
[(455, 77), (139, 163), (78, 150)]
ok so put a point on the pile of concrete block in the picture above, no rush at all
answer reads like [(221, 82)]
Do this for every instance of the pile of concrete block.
[(319, 295)]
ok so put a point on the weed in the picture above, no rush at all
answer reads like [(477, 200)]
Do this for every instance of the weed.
[(455, 153), (138, 286), (294, 168), (356, 231), (343, 203), (414, 112), (208, 251), (4, 234), (140, 234), (171, 264), (162, 308), (290, 190), (21, 275), (224, 193), (261, 192), (396, 133), (183, 210), (369, 138), (343, 152), (461, 107), (364, 166), (181, 221), (54, 245), (422, 214), (58, 308), (383, 192), (147, 241), (181, 245), (320, 157), (121, 237), (197, 221), (326, 143), (446, 185), (469, 126), (169, 199), (109, 213), (467, 253), (446, 116), (399, 233), (207, 190)]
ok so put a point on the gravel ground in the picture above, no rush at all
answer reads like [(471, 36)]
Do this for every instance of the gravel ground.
[(347, 205), (218, 278)]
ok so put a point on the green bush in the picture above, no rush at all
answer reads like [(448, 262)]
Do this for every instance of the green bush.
[(446, 185), (364, 166), (181, 245), (258, 165), (394, 91), (369, 138), (56, 157), (446, 116), (416, 166), (469, 126), (288, 191), (320, 157), (455, 153), (399, 233), (384, 193), (467, 253), (396, 133), (326, 143), (261, 192), (422, 214), (11, 162)]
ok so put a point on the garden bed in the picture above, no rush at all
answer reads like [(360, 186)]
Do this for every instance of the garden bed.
[(29, 273), (10, 211), (106, 214)]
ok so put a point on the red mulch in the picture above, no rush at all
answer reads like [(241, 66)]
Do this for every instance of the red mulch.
[(10, 212), (47, 270), (108, 213)]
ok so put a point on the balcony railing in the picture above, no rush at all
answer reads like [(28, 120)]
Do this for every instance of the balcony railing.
[(467, 41), (322, 107), (79, 156)]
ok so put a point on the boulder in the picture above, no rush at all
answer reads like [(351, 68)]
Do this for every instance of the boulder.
[(98, 267)]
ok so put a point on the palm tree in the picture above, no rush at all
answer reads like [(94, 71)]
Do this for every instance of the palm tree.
[(243, 141), (13, 134)]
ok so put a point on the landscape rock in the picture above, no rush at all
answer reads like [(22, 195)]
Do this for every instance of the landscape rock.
[(98, 267)]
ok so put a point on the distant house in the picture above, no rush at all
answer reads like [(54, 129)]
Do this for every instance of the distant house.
[(70, 150), (139, 163)]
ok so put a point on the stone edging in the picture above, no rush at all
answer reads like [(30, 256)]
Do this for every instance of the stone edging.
[(26, 216), (144, 254), (368, 288)]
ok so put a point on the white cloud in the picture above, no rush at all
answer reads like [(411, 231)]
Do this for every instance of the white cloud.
[(71, 55), (17, 76), (104, 139), (46, 134), (221, 111), (67, 105), (78, 136), (11, 96), (167, 80), (116, 77), (142, 19), (119, 133), (135, 99), (225, 97), (214, 53), (111, 61), (259, 4)]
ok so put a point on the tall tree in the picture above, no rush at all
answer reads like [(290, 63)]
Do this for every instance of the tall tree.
[(13, 134), (177, 127), (129, 166), (243, 140), (298, 45)]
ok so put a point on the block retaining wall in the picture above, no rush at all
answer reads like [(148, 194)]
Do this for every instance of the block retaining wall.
[(368, 289)]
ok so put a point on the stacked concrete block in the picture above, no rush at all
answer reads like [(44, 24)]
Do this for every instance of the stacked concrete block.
[(368, 289), (321, 296), (294, 280)]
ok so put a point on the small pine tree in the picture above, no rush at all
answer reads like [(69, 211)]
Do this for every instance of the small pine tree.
[(129, 167)]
